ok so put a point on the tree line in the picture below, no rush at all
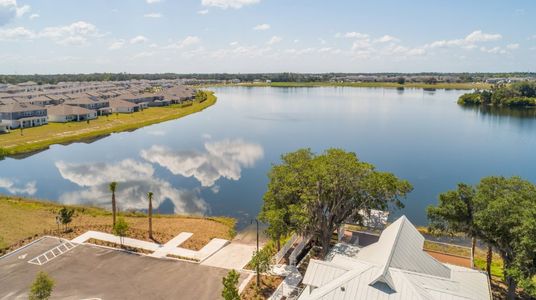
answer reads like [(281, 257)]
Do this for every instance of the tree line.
[(520, 94), (247, 77)]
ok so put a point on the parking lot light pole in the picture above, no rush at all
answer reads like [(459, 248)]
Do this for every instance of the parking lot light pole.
[(257, 253)]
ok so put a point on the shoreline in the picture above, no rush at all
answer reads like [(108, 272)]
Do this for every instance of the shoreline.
[(13, 144), (393, 85)]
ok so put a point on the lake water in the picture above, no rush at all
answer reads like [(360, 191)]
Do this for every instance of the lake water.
[(215, 162)]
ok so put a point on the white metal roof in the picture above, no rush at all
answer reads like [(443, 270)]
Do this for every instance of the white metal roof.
[(396, 267)]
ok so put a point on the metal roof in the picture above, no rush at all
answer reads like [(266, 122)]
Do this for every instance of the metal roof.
[(395, 267)]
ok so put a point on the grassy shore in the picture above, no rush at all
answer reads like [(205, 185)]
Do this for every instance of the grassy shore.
[(39, 138), (448, 86), (23, 220)]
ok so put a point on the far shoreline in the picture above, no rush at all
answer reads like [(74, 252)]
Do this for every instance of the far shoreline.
[(391, 85)]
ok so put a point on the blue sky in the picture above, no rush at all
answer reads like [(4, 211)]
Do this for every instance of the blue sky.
[(205, 36)]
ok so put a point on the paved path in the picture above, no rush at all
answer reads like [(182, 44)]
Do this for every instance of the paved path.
[(234, 256), (173, 243), (101, 236), (159, 250)]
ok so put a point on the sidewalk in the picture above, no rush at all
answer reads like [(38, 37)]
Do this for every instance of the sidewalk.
[(159, 250)]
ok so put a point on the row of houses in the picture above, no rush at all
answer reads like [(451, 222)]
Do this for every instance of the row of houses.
[(22, 111)]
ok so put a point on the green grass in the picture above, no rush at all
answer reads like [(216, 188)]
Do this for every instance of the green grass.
[(496, 266), (453, 86), (39, 138)]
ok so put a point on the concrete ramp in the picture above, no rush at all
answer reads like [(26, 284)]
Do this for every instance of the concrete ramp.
[(234, 256)]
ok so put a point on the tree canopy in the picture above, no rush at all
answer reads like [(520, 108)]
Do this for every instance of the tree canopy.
[(502, 212), (315, 194), (519, 94)]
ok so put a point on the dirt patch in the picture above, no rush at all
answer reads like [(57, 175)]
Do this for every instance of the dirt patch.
[(267, 287)]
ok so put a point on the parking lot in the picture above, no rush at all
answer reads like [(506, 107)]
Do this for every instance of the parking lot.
[(88, 272)]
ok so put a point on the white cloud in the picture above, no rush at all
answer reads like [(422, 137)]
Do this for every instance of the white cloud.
[(17, 33), (9, 9), (262, 27), (202, 12), (386, 39), (479, 36), (76, 34), (225, 4), (493, 50), (275, 40), (468, 42), (233, 44), (186, 42), (34, 16), (153, 1), (153, 15), (221, 159), (118, 44), (139, 39), (10, 186), (353, 35), (512, 46)]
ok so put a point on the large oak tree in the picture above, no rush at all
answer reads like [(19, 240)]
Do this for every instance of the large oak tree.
[(315, 194)]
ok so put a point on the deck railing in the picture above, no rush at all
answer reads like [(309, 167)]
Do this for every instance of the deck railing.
[(283, 251), (298, 250)]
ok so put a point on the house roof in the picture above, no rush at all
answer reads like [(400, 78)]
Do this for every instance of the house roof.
[(19, 107), (396, 267), (66, 110), (116, 103)]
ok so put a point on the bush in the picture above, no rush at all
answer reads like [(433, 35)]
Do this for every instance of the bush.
[(520, 102), (42, 287), (470, 99), (230, 291)]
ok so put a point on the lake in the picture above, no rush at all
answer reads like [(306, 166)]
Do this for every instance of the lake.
[(215, 162)]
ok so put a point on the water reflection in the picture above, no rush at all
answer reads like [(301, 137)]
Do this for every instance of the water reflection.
[(12, 187), (134, 179), (521, 113), (220, 159)]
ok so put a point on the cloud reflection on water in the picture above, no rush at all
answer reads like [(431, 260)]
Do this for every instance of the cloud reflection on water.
[(134, 179), (224, 158), (12, 187)]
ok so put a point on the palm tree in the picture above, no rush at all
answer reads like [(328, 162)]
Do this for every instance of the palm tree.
[(113, 186), (150, 197)]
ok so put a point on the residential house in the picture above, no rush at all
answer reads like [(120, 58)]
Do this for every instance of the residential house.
[(66, 113), (16, 115), (102, 106), (395, 267), (122, 106)]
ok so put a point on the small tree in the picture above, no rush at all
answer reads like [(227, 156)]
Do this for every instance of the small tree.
[(42, 287), (113, 187), (401, 80), (65, 216), (230, 282), (261, 261), (121, 228), (150, 197)]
